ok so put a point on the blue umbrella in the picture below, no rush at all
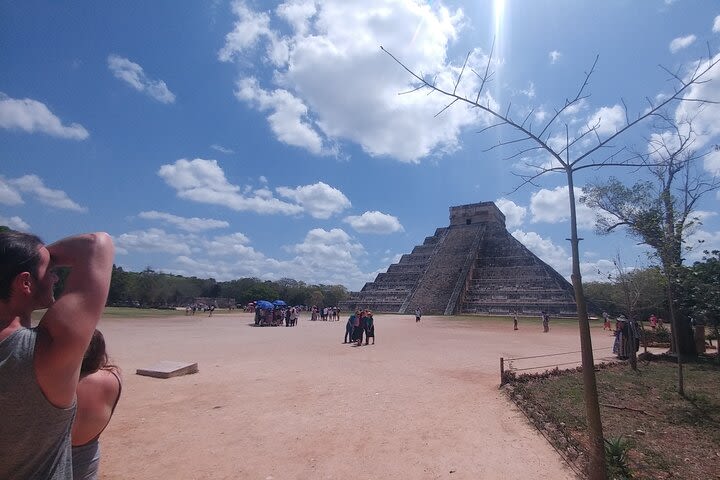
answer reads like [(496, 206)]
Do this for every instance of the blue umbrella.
[(264, 305), (279, 303)]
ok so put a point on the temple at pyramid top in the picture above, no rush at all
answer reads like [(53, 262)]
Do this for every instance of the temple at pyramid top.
[(482, 212), (473, 265)]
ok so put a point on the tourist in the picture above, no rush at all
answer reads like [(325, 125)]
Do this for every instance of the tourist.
[(606, 322), (545, 322), (515, 322), (418, 314), (293, 316), (98, 392), (361, 327), (356, 332), (369, 327), (349, 328), (653, 321), (621, 330), (39, 367)]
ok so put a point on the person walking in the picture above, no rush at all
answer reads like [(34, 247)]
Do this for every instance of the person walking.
[(418, 314), (545, 322)]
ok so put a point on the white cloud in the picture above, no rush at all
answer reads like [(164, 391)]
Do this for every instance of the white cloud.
[(15, 223), (9, 194), (133, 74), (221, 149), (331, 82), (552, 206), (716, 24), (548, 252), (289, 118), (576, 107), (32, 116), (323, 256), (154, 240), (514, 214), (319, 200), (554, 56), (704, 118), (699, 241), (204, 181), (530, 91), (374, 222), (540, 114), (328, 252), (249, 28), (597, 271), (607, 120), (679, 43), (193, 224), (33, 185)]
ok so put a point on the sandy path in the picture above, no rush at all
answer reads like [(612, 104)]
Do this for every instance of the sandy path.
[(295, 403)]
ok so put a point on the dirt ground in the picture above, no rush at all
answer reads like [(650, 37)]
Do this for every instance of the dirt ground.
[(295, 403)]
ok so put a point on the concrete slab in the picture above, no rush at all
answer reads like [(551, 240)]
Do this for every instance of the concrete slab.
[(167, 369)]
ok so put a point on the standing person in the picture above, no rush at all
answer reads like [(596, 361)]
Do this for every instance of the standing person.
[(418, 314), (653, 321), (515, 326), (545, 322), (606, 322), (349, 328), (620, 345), (356, 326), (369, 327), (98, 392), (39, 367)]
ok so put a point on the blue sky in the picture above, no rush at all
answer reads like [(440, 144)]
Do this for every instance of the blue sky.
[(250, 138)]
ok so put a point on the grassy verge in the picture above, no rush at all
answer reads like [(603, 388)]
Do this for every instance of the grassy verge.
[(668, 436)]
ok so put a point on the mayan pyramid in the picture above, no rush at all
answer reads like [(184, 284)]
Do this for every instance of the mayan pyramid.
[(472, 266)]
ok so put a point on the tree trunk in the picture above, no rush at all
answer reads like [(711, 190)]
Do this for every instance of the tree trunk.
[(676, 336), (597, 468)]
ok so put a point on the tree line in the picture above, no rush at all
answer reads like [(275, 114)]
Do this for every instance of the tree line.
[(151, 289)]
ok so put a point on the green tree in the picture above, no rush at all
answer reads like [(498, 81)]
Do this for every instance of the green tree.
[(702, 291)]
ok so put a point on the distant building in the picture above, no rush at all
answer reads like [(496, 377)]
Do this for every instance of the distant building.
[(473, 265)]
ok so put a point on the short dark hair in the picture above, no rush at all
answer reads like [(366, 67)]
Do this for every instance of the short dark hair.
[(19, 252)]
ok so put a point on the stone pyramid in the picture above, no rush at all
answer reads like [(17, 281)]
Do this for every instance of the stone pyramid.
[(473, 265)]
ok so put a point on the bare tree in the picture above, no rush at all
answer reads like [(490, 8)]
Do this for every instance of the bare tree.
[(574, 154)]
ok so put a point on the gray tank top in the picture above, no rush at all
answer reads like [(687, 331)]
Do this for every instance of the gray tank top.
[(86, 460), (34, 434)]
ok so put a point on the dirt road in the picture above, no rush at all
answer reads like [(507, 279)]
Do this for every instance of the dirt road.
[(295, 403)]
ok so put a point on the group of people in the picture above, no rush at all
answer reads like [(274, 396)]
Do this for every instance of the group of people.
[(57, 387), (360, 323), (326, 314), (276, 316)]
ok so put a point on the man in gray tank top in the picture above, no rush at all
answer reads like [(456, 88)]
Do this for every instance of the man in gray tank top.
[(39, 367)]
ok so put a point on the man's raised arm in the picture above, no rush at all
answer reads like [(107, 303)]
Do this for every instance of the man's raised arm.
[(65, 330)]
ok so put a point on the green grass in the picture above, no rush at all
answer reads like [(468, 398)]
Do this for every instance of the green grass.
[(113, 312), (671, 436)]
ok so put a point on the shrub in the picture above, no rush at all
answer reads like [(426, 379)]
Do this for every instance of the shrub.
[(616, 458)]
